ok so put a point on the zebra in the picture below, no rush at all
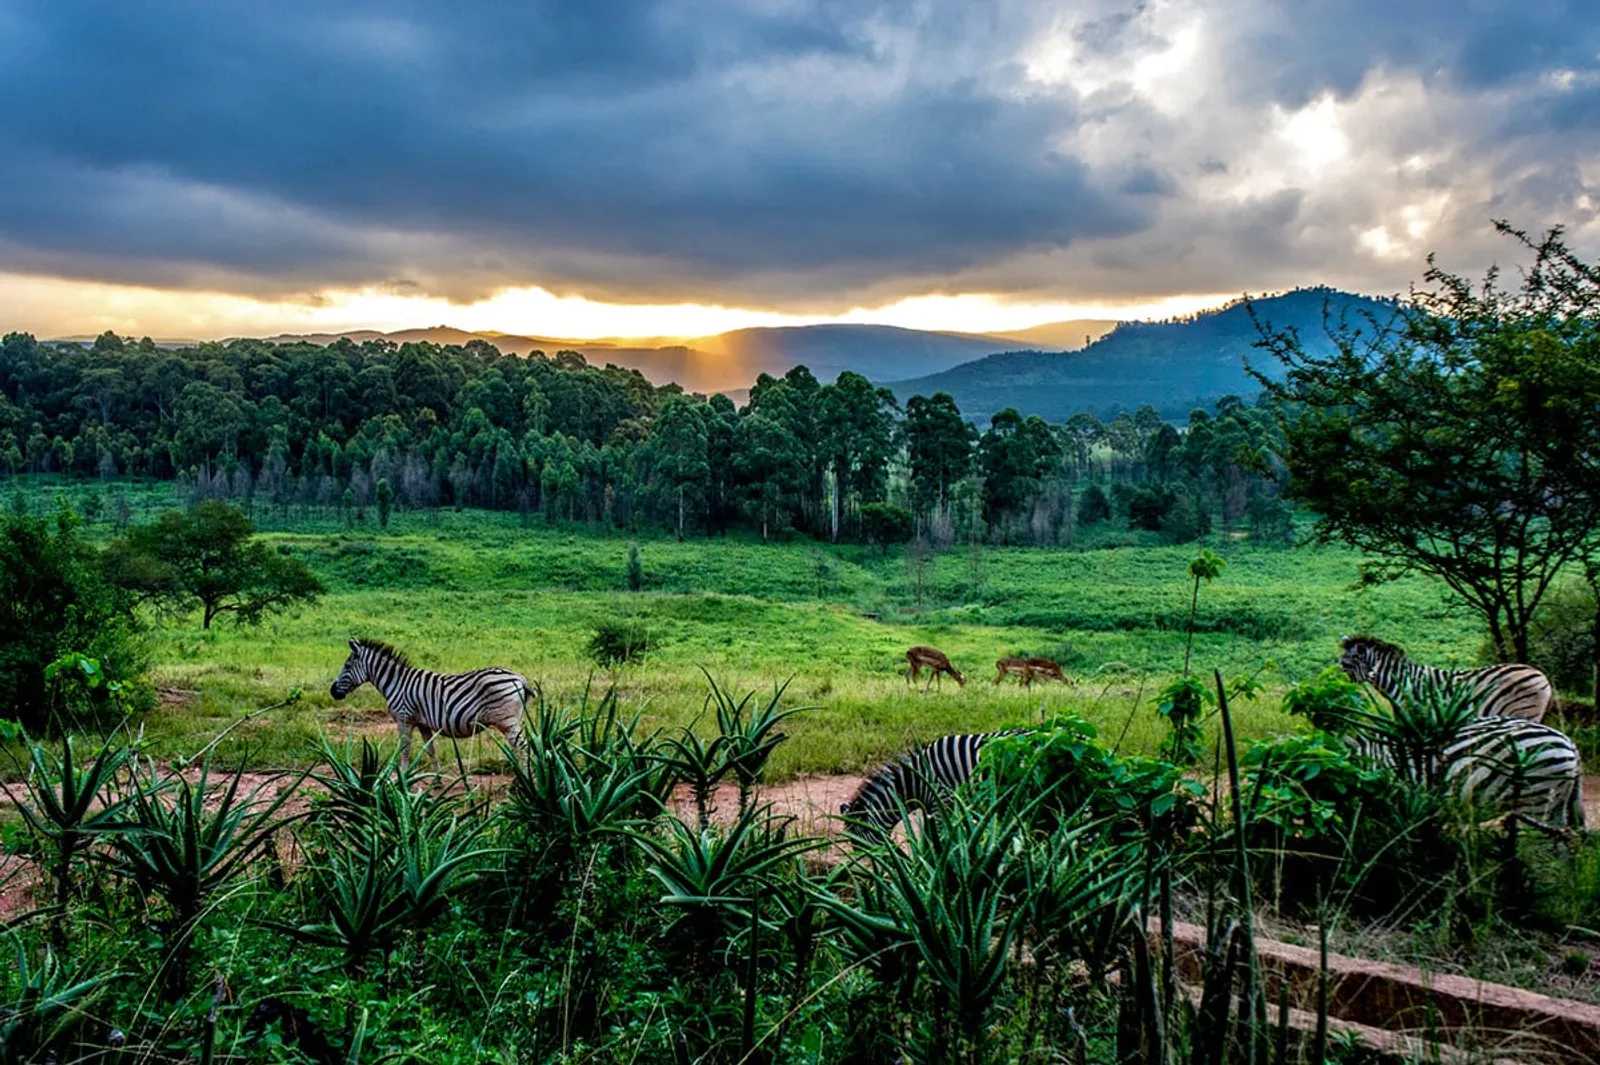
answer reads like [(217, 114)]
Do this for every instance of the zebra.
[(1497, 691), (1527, 768), (921, 780), (446, 704)]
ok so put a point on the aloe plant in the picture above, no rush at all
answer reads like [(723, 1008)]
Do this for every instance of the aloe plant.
[(45, 1004), (700, 765), (747, 733), (68, 805), (947, 892), (187, 841), (711, 876)]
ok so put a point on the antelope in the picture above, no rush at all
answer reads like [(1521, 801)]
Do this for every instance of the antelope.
[(935, 662), (1022, 667), (1046, 669)]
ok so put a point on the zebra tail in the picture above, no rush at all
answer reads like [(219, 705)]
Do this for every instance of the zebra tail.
[(1575, 814)]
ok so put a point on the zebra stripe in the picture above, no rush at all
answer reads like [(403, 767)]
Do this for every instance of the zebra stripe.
[(1496, 691), (921, 780), (1506, 764), (456, 705)]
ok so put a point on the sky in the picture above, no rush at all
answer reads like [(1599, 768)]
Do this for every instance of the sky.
[(212, 168)]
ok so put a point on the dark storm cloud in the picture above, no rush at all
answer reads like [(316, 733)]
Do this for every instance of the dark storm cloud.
[(777, 149)]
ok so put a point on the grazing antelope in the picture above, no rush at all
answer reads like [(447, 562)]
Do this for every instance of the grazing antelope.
[(1046, 669), (936, 664), (1018, 666)]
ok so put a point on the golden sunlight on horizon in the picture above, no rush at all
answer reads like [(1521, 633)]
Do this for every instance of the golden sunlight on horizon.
[(56, 307)]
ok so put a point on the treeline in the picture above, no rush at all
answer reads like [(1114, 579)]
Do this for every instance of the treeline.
[(347, 426)]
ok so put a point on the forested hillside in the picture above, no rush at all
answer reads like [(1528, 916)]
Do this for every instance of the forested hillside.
[(314, 427), (1173, 365)]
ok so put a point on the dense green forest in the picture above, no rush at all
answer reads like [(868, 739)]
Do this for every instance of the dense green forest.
[(347, 427)]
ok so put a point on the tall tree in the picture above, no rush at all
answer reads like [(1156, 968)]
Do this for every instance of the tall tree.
[(857, 424), (1462, 438), (679, 447), (939, 445)]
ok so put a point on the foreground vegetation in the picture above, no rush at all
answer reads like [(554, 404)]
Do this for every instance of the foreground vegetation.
[(364, 915)]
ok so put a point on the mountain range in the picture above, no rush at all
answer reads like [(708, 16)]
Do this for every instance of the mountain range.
[(729, 362), (1173, 365)]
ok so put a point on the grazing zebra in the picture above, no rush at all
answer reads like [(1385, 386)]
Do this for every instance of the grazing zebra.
[(921, 780), (1504, 763), (1496, 691), (446, 704)]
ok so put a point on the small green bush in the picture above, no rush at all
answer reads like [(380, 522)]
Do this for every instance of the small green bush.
[(618, 641)]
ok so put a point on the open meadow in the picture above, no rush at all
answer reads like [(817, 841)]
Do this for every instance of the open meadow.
[(459, 590)]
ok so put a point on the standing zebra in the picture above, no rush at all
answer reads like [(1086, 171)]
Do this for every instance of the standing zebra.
[(1508, 764), (1496, 691), (921, 780), (446, 704)]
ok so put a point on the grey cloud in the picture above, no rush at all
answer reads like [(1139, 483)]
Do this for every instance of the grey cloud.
[(795, 152)]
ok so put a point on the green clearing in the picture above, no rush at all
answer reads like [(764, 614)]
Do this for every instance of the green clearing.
[(464, 589)]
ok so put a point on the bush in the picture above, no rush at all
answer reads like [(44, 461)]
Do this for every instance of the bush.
[(1185, 520), (635, 569), (884, 524), (56, 601), (1148, 505), (1133, 795), (1093, 506), (617, 641), (1561, 638)]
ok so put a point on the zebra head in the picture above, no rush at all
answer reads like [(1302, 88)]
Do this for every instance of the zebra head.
[(355, 672), (1362, 657)]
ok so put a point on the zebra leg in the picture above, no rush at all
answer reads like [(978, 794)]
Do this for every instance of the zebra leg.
[(404, 728)]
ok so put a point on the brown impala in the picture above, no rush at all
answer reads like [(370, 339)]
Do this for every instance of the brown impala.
[(1046, 669), (1019, 666), (936, 664)]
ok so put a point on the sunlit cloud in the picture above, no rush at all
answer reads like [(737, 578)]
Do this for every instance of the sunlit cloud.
[(54, 307)]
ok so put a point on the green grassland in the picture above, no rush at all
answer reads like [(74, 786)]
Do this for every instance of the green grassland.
[(465, 589)]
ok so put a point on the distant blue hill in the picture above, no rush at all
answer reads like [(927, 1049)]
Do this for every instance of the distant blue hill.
[(1173, 366)]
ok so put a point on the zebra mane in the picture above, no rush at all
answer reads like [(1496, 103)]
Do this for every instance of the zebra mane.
[(386, 650), (1372, 642)]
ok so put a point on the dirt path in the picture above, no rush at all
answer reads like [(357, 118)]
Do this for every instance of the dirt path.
[(812, 801), (1591, 801)]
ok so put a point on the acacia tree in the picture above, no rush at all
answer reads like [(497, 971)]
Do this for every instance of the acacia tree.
[(210, 554), (1460, 439)]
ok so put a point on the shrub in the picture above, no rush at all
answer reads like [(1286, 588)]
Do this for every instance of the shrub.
[(884, 524), (635, 570), (1561, 638), (1185, 519), (617, 641), (1148, 505), (55, 601), (1330, 702), (1093, 506)]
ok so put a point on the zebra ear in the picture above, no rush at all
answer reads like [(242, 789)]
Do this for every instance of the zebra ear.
[(354, 644)]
